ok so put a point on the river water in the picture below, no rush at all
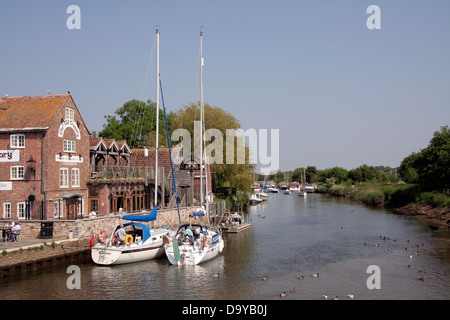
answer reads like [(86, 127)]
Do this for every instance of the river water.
[(290, 237)]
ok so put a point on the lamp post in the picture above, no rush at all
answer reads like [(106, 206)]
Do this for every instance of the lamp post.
[(32, 166)]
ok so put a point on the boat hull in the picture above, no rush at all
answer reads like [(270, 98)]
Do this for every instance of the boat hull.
[(192, 256), (153, 248), (104, 255)]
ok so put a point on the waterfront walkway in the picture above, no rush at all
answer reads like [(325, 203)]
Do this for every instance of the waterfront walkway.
[(26, 243), (32, 254)]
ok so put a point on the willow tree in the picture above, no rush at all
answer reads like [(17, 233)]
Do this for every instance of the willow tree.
[(236, 172)]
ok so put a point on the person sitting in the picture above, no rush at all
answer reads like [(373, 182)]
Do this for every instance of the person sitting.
[(101, 237), (119, 236), (15, 231)]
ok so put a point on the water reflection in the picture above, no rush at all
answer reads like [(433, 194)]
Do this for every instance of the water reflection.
[(290, 237)]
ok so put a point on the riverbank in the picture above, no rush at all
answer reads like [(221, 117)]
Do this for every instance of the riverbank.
[(403, 199)]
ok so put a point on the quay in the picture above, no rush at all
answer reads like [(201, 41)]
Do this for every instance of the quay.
[(32, 254)]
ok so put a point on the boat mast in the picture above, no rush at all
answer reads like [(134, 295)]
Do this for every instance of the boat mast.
[(202, 132), (201, 120), (157, 117)]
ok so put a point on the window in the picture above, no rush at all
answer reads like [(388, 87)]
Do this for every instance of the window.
[(58, 208), (6, 210), (93, 205), (21, 210), (64, 177), (69, 146), (69, 114), (17, 173), (75, 177), (17, 141)]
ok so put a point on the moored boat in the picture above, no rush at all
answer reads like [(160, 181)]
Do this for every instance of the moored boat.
[(234, 224), (193, 243), (141, 243)]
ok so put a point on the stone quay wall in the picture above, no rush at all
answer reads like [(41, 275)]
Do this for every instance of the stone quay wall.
[(83, 228)]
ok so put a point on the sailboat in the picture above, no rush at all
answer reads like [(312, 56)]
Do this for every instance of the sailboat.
[(302, 191), (141, 242), (195, 243)]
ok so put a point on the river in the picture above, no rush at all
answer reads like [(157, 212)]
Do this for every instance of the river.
[(291, 237)]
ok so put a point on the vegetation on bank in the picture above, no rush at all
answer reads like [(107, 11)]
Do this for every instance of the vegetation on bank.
[(389, 195)]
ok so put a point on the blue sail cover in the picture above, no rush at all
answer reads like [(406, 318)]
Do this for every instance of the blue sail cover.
[(199, 213), (144, 218), (145, 230)]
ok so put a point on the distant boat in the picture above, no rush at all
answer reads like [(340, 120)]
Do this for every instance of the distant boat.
[(295, 187), (256, 198), (234, 224), (309, 188), (287, 191)]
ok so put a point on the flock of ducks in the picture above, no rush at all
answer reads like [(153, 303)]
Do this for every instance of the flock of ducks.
[(294, 290), (402, 248), (352, 296)]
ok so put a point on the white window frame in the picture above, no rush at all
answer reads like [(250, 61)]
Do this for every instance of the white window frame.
[(75, 177), (17, 173), (80, 207), (70, 114), (58, 208), (70, 146), (6, 209), (17, 141), (21, 210), (63, 178)]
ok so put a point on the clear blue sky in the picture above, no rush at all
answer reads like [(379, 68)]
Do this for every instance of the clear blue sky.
[(340, 94)]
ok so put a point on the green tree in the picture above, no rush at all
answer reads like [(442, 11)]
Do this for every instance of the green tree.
[(238, 176), (135, 122), (433, 162), (407, 170)]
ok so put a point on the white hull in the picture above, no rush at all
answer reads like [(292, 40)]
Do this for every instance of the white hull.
[(129, 253), (193, 250), (256, 198), (193, 255)]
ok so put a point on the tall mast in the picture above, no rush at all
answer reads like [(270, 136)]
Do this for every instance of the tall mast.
[(157, 117), (201, 120), (202, 111)]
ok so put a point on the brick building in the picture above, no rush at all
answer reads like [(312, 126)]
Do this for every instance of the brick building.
[(44, 158)]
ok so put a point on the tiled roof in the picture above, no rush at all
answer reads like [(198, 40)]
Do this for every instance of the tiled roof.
[(30, 112), (138, 158)]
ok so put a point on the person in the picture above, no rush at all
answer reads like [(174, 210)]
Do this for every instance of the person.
[(11, 224), (92, 214), (101, 236), (119, 236), (14, 231)]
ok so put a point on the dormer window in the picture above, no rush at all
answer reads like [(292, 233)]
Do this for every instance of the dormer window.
[(69, 114), (17, 141)]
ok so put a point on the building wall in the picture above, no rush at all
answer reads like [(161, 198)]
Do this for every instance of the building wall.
[(44, 183), (12, 191), (56, 159)]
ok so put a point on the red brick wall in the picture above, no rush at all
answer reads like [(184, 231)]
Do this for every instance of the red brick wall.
[(44, 184)]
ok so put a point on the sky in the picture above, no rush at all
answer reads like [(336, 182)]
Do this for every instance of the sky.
[(339, 93)]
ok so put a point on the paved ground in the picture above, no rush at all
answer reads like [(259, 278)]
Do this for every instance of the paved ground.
[(26, 242)]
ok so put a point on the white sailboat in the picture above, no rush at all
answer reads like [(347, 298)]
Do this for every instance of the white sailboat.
[(141, 242), (195, 243)]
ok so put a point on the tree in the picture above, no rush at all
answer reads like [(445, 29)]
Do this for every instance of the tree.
[(407, 170), (234, 175), (433, 163), (136, 123)]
